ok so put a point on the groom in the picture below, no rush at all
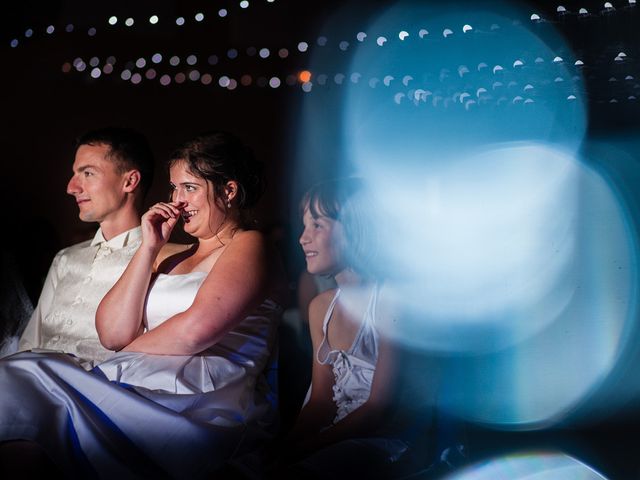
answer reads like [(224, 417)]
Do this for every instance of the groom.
[(112, 173)]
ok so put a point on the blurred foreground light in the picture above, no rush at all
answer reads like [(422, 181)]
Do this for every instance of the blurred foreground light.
[(153, 19), (503, 248), (113, 20), (528, 466)]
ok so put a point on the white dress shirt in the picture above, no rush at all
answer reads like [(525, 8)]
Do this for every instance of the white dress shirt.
[(78, 279)]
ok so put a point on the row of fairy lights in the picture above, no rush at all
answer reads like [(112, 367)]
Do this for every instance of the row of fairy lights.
[(303, 77), (244, 4)]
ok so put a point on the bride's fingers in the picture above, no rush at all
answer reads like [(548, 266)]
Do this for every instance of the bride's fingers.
[(166, 210)]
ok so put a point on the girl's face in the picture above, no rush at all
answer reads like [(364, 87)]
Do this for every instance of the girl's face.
[(322, 241), (201, 216)]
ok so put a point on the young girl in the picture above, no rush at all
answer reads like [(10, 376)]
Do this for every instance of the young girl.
[(341, 430)]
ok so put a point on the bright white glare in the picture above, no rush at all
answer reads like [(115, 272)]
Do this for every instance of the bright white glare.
[(96, 72), (264, 53), (222, 12), (156, 58), (153, 19), (528, 466), (129, 22), (361, 36), (303, 46), (244, 4), (179, 22), (224, 81), (199, 17), (480, 230), (113, 20), (403, 34)]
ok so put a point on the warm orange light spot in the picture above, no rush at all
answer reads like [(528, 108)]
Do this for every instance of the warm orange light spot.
[(304, 76)]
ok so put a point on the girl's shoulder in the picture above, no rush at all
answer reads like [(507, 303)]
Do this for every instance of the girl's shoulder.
[(320, 304)]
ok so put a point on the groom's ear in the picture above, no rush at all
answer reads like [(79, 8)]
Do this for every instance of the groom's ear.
[(131, 180)]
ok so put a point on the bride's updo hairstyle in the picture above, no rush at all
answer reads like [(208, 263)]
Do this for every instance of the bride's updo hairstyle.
[(219, 157)]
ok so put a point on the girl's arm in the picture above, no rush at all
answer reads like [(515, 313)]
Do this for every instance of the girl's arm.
[(119, 314), (320, 409), (236, 284)]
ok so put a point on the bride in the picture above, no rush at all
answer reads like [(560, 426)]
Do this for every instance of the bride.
[(194, 328)]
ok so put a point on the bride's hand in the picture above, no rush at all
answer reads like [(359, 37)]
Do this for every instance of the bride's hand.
[(158, 222)]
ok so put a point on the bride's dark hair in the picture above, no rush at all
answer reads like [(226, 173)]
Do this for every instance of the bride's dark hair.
[(219, 156)]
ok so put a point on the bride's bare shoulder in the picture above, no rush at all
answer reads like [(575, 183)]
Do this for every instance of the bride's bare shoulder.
[(169, 250)]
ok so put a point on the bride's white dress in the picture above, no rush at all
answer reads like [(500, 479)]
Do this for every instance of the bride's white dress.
[(147, 416)]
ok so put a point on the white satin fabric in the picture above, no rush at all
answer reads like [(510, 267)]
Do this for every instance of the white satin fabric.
[(146, 416)]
